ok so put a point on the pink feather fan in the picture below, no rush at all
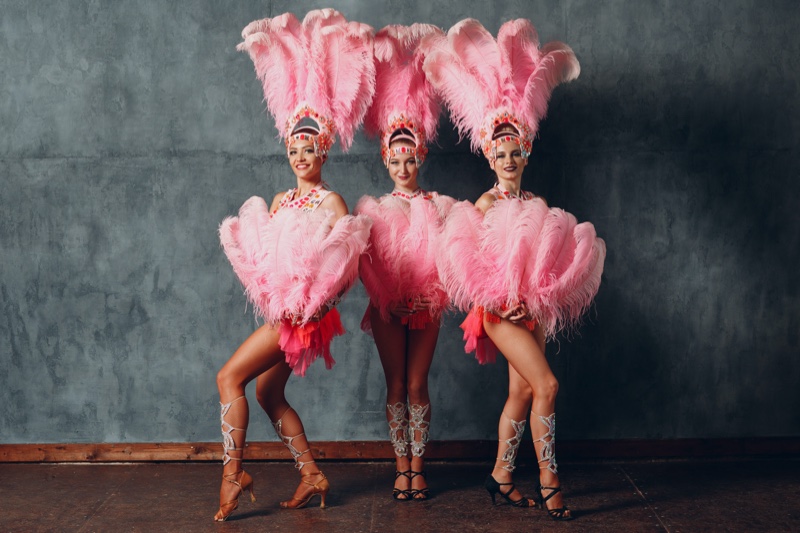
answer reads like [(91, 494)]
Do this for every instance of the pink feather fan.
[(481, 78), (522, 251), (290, 265), (325, 63), (400, 264)]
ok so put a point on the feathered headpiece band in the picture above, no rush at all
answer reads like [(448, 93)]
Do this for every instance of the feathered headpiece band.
[(490, 83), (405, 106), (318, 76)]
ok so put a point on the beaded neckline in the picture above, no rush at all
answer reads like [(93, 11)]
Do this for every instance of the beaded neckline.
[(400, 194), (522, 195)]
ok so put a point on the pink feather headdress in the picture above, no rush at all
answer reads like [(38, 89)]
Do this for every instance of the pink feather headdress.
[(405, 104), (497, 90), (318, 76)]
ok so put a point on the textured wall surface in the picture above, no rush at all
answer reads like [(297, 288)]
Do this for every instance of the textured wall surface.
[(130, 130)]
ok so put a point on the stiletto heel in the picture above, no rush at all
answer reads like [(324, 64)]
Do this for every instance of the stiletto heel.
[(559, 514), (245, 483), (493, 487), (321, 487)]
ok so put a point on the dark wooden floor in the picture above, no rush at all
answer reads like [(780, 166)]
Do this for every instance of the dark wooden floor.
[(752, 495)]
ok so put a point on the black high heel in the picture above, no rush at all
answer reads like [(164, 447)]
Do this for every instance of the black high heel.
[(493, 487), (419, 494), (406, 494), (547, 455), (559, 514)]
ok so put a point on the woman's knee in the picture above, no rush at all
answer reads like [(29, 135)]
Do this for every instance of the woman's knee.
[(227, 380), (270, 400), (418, 390), (396, 389), (520, 391), (547, 389)]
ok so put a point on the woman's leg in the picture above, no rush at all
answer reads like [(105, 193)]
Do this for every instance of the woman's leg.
[(270, 392), (391, 340), (257, 354), (510, 429), (421, 346), (523, 351)]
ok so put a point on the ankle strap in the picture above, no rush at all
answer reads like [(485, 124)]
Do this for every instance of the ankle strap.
[(555, 490)]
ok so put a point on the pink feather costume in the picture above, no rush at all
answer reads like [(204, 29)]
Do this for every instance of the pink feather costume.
[(293, 262), (520, 251), (400, 265)]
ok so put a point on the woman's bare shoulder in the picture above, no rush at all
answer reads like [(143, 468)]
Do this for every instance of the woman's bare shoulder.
[(334, 202), (485, 201), (276, 201)]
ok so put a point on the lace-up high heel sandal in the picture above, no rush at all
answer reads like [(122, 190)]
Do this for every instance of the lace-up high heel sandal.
[(492, 486), (547, 455), (240, 478), (321, 486), (419, 432), (398, 431)]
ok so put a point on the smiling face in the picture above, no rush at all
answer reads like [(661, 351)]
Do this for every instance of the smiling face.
[(305, 163), (509, 164), (403, 168)]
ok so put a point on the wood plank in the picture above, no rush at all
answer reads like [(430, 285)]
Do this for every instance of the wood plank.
[(576, 450)]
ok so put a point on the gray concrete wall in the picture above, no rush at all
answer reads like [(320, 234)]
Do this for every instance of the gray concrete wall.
[(131, 129)]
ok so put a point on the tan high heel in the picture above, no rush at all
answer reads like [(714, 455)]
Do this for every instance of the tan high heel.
[(321, 487), (242, 480)]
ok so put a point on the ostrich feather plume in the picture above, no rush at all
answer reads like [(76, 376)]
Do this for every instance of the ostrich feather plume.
[(325, 63), (480, 77), (401, 87)]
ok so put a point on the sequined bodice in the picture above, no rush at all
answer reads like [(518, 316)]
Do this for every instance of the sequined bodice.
[(308, 202)]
